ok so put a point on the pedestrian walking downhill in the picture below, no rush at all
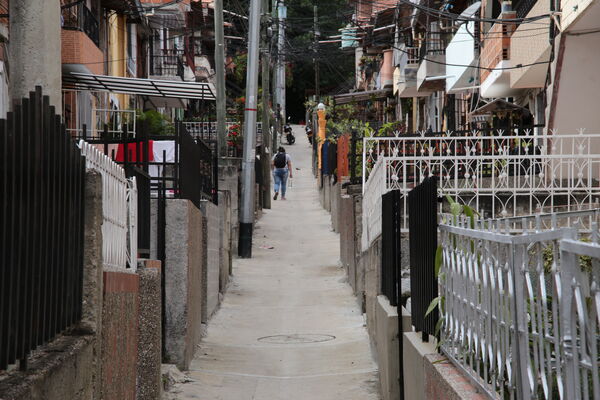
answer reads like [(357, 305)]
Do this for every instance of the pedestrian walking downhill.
[(281, 165)]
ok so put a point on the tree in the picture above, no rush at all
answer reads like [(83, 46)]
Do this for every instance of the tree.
[(336, 65)]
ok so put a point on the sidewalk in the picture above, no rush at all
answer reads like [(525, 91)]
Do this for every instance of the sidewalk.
[(289, 327)]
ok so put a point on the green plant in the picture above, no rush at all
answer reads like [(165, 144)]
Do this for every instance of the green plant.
[(439, 302), (155, 123)]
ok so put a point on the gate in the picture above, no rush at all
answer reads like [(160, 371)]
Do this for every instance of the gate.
[(390, 264), (422, 222)]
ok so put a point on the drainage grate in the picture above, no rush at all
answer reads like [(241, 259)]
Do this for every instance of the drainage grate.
[(296, 338)]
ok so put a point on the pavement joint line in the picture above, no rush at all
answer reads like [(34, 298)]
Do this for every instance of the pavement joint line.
[(239, 374), (204, 345)]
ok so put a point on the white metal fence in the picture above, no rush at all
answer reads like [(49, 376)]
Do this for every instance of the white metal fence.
[(208, 130), (119, 210), (521, 313), (500, 175), (371, 204)]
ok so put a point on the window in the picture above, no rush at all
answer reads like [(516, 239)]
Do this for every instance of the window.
[(132, 49)]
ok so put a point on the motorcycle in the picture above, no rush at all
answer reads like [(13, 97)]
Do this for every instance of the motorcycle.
[(289, 136), (309, 133)]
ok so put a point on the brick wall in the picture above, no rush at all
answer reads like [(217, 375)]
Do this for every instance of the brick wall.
[(119, 336), (496, 45), (78, 48)]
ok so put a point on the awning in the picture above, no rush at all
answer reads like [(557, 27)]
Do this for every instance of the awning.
[(362, 96), (137, 86), (499, 105)]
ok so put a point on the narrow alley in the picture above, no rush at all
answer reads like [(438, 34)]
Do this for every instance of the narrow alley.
[(289, 326)]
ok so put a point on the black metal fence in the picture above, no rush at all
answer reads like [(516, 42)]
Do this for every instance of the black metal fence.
[(390, 246), (143, 181), (43, 184), (167, 62), (189, 171), (422, 219)]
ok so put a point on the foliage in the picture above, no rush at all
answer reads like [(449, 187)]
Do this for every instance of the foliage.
[(456, 210), (585, 262), (157, 123), (336, 66), (234, 136)]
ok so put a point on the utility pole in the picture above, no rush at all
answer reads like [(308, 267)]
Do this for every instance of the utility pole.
[(220, 71), (248, 187), (317, 35), (275, 78), (282, 14), (265, 155)]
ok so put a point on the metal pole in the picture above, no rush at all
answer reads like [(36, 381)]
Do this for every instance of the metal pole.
[(282, 11), (220, 79), (247, 212), (317, 34), (266, 118), (275, 79)]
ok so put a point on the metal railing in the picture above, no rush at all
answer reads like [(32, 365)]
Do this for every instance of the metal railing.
[(119, 210), (207, 132), (371, 205), (500, 176), (422, 201), (41, 278), (188, 169), (480, 141), (520, 314), (167, 62), (79, 17)]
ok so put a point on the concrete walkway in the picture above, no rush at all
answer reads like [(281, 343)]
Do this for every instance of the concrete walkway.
[(289, 327)]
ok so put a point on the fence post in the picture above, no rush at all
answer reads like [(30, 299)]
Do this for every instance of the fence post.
[(569, 263), (520, 322), (353, 158)]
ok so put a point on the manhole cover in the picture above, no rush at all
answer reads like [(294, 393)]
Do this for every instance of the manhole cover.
[(296, 338)]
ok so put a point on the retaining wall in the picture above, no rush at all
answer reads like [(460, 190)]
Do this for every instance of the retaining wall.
[(225, 221), (183, 277), (211, 269), (119, 335), (149, 381)]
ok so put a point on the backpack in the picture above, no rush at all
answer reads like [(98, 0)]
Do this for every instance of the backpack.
[(280, 160)]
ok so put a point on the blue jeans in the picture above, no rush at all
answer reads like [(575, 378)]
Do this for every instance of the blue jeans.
[(280, 176)]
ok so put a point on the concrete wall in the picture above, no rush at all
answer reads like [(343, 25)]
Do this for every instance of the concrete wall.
[(226, 259), (63, 369), (119, 335), (386, 344), (35, 49), (229, 180), (430, 376), (149, 381), (183, 277), (211, 270), (327, 192), (370, 266), (335, 206)]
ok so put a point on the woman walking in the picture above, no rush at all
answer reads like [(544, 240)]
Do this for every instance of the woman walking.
[(281, 165)]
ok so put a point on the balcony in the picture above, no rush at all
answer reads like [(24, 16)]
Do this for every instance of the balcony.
[(432, 70), (527, 48), (580, 15), (461, 70), (405, 75), (167, 64), (495, 60), (80, 18), (80, 41)]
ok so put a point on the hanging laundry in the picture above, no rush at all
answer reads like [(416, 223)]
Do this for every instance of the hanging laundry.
[(132, 149)]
